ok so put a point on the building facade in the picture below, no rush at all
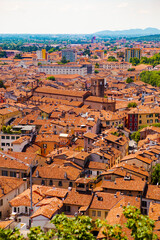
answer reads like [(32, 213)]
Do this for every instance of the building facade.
[(132, 52), (69, 54)]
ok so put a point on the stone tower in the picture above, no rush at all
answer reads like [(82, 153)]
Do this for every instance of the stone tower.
[(97, 87)]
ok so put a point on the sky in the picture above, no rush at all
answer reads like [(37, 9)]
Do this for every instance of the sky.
[(77, 16)]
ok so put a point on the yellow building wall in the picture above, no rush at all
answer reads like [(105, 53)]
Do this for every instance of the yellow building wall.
[(147, 119), (44, 53), (102, 216)]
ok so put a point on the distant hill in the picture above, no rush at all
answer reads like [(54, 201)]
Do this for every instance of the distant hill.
[(130, 32)]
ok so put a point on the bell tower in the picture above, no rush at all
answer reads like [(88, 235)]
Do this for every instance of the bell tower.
[(97, 87)]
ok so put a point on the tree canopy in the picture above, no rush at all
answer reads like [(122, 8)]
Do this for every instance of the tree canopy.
[(112, 59), (135, 61), (151, 77), (18, 56), (3, 54), (51, 78), (129, 80), (156, 174), (132, 105), (154, 60), (81, 228)]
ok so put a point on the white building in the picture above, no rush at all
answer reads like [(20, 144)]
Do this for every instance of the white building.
[(7, 139), (116, 65), (10, 188), (39, 54), (58, 69)]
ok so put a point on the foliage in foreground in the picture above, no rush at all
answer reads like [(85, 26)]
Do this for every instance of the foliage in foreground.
[(81, 227), (156, 174)]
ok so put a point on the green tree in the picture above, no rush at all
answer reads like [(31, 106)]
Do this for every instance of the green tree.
[(96, 71), (4, 129), (112, 59), (64, 60), (151, 77), (156, 174), (136, 136), (111, 232), (131, 69), (95, 57), (87, 52), (51, 78), (3, 54), (96, 65), (129, 80), (8, 234), (135, 61), (2, 84), (141, 226), (18, 56), (36, 233), (39, 63), (154, 60), (79, 227), (132, 105)]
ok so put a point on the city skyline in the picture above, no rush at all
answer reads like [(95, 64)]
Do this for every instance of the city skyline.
[(74, 17)]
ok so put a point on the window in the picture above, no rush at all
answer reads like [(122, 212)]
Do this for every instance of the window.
[(70, 184), (4, 173), (144, 204), (151, 120), (23, 175), (140, 121), (8, 144), (1, 202), (106, 213), (15, 210), (140, 116), (157, 115), (0, 215), (99, 214), (3, 144), (12, 137), (60, 183), (18, 210), (7, 137), (17, 137), (150, 115), (67, 208), (147, 121), (50, 182), (107, 122), (43, 182), (2, 137), (26, 210), (156, 120), (44, 145), (93, 213), (12, 174)]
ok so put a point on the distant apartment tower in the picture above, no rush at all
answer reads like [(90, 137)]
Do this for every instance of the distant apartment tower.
[(132, 52), (41, 54), (69, 54), (97, 87)]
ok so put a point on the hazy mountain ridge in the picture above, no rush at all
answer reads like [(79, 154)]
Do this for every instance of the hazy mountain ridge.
[(130, 32)]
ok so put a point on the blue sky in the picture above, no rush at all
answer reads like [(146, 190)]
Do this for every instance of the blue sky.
[(77, 16)]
